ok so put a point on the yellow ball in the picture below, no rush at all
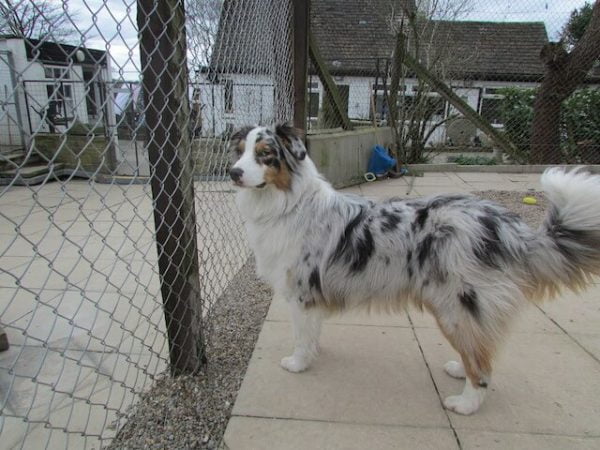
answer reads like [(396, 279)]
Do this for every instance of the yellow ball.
[(530, 200)]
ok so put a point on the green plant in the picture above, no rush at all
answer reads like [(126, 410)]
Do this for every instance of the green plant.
[(475, 160), (580, 121), (517, 114), (581, 124)]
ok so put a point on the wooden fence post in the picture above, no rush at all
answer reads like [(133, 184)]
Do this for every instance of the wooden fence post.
[(165, 89)]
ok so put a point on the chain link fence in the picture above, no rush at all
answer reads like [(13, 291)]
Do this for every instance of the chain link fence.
[(119, 231), (493, 55), (118, 228)]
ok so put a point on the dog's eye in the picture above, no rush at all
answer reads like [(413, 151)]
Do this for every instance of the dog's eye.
[(263, 152)]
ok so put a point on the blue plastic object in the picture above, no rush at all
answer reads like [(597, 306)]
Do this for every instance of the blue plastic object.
[(380, 162)]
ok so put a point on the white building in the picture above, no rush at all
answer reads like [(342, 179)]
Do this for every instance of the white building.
[(46, 87)]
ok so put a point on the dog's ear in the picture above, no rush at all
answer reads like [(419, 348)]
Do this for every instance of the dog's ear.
[(292, 140), (237, 138)]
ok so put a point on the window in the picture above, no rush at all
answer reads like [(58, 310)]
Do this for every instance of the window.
[(490, 110), (313, 104), (56, 72), (60, 100), (228, 94), (491, 103)]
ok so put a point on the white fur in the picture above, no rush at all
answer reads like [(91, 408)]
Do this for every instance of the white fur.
[(455, 369), (468, 402), (253, 172)]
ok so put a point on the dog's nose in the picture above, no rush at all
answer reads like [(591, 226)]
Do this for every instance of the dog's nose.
[(236, 174)]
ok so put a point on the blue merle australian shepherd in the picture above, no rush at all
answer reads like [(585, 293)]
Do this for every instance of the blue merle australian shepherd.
[(470, 262)]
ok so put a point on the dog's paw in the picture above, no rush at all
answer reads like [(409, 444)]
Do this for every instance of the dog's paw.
[(294, 364), (455, 369), (462, 404)]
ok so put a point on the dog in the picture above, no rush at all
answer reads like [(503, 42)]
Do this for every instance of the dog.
[(470, 262)]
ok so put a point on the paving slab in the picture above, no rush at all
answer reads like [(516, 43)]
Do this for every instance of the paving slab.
[(368, 375), (278, 311), (542, 383), (285, 434), (488, 440)]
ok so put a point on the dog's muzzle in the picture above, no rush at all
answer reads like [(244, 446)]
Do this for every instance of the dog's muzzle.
[(236, 174)]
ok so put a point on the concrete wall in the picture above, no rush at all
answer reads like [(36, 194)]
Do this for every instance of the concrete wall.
[(342, 157), (75, 152)]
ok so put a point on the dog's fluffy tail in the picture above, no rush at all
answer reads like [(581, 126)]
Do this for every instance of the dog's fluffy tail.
[(568, 250)]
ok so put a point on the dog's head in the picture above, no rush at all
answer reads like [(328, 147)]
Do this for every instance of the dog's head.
[(264, 156)]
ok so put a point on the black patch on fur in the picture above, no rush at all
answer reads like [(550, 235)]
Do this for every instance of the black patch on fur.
[(424, 249), (439, 202), (306, 256), (469, 300), (390, 222), (482, 384), (387, 260), (409, 268), (490, 250), (356, 245), (314, 280), (364, 248), (420, 218)]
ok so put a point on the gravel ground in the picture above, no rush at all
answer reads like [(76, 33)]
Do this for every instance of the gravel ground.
[(192, 412)]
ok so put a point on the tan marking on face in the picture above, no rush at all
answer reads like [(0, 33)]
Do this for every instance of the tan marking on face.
[(261, 147), (241, 145), (281, 178)]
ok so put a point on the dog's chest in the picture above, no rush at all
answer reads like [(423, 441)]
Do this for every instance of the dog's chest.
[(276, 249)]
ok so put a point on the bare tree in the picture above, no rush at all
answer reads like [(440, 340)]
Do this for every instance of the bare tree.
[(416, 116), (36, 20), (565, 71), (203, 25)]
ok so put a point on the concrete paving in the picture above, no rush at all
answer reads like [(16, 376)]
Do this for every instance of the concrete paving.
[(379, 383), (80, 303)]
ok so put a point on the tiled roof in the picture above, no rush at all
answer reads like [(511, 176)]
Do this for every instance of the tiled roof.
[(353, 34)]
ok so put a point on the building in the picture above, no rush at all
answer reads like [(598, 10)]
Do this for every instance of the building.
[(357, 39), (47, 87)]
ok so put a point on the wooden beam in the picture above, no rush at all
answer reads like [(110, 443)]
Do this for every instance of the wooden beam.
[(446, 92), (328, 84), (301, 31), (165, 89)]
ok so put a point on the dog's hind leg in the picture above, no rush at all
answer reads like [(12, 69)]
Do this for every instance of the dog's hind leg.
[(455, 369), (476, 357), (306, 323)]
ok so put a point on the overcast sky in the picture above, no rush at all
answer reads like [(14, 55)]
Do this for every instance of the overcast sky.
[(110, 24)]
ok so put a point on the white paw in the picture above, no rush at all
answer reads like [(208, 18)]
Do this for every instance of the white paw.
[(294, 364), (455, 369), (462, 404)]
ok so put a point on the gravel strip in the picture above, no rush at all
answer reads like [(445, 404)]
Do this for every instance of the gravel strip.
[(192, 412), (533, 215)]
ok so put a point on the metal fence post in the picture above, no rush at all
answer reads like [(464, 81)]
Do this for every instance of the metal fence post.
[(164, 81)]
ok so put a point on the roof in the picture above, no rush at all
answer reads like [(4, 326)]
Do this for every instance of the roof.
[(244, 42), (353, 34), (488, 50), (465, 49), (54, 53)]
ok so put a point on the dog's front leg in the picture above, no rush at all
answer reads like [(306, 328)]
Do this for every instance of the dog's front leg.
[(306, 323)]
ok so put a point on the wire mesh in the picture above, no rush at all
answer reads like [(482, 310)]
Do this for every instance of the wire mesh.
[(491, 54), (80, 282), (81, 286)]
